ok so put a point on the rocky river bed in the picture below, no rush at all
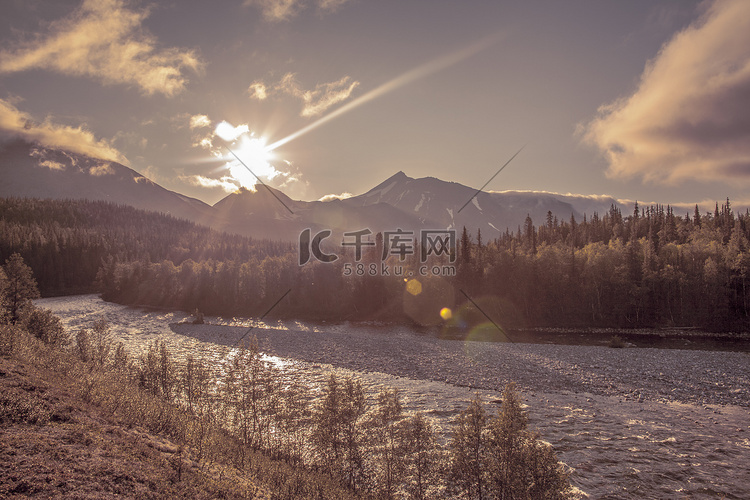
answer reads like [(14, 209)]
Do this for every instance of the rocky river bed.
[(631, 423)]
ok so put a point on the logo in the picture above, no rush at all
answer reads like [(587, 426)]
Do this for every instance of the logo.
[(396, 243)]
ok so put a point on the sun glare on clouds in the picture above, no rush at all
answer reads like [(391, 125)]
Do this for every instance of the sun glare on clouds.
[(687, 120), (253, 159)]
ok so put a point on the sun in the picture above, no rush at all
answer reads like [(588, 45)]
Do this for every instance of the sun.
[(257, 158)]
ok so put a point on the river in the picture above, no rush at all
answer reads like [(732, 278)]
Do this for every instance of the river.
[(630, 423)]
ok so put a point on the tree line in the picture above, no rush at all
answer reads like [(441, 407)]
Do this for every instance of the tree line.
[(651, 268), (66, 242)]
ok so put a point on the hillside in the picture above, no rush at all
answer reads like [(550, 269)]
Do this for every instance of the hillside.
[(66, 242), (54, 444), (29, 170)]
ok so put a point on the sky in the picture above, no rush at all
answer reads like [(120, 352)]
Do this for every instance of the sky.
[(644, 100)]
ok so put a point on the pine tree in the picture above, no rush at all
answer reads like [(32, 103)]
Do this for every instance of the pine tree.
[(530, 234), (21, 287), (465, 247), (697, 216)]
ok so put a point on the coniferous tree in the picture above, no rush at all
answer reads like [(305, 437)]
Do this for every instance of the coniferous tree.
[(20, 287)]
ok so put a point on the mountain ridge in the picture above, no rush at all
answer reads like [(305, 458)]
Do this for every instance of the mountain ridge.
[(398, 202)]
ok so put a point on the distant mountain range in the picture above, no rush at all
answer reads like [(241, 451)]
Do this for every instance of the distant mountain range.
[(398, 202)]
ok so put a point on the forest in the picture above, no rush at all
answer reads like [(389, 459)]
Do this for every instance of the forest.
[(651, 268)]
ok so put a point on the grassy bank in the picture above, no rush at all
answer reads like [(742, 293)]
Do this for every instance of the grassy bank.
[(70, 430)]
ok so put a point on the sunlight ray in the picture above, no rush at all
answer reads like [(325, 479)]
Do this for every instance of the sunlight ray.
[(410, 76)]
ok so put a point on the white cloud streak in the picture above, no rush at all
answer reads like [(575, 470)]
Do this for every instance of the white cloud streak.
[(283, 10), (74, 139), (100, 170), (103, 39), (688, 118), (226, 183), (52, 165), (331, 197), (315, 101)]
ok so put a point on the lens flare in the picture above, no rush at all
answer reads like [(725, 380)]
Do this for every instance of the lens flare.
[(424, 299), (414, 287), (410, 76), (446, 313)]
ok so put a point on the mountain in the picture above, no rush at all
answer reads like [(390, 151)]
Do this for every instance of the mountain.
[(28, 170), (399, 202), (267, 212), (440, 204)]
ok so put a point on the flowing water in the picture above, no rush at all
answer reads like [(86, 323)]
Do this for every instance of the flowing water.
[(630, 423)]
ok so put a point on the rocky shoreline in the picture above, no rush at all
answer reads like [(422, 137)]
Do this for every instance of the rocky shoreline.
[(685, 376)]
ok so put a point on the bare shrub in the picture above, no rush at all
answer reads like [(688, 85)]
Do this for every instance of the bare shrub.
[(499, 457), (47, 327), (249, 390), (384, 440), (156, 371), (421, 456), (338, 434), (468, 451), (519, 465)]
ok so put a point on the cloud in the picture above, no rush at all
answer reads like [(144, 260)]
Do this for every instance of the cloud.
[(229, 132), (258, 90), (226, 183), (594, 197), (330, 5), (205, 142), (688, 118), (283, 10), (199, 121), (256, 161), (277, 10), (103, 39), (315, 101), (46, 133), (52, 165), (103, 169), (331, 197)]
